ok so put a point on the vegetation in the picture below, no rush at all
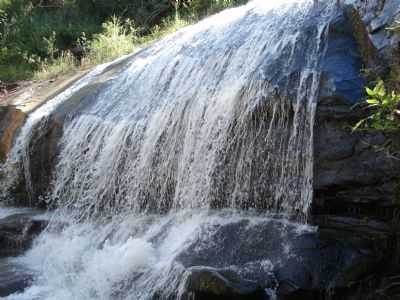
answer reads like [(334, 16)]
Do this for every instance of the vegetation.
[(395, 26), (43, 38), (384, 107)]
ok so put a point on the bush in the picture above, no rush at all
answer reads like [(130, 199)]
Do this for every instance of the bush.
[(384, 108), (115, 40)]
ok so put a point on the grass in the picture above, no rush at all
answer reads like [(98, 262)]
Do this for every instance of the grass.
[(38, 42), (66, 63), (159, 31), (115, 41)]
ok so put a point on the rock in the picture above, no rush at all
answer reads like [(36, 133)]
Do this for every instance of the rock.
[(43, 144), (43, 151), (17, 233), (354, 173), (385, 18), (282, 257), (11, 119), (13, 278), (208, 283), (344, 58)]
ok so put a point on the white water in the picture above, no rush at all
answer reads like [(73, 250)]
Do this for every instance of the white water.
[(9, 211), (219, 114), (133, 257)]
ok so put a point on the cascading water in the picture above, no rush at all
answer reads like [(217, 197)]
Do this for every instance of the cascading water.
[(218, 115)]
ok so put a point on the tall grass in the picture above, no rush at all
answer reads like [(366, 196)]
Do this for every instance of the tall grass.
[(168, 26), (116, 40), (66, 63), (38, 43)]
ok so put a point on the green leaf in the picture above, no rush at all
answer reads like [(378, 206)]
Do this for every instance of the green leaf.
[(369, 92), (359, 123), (372, 101)]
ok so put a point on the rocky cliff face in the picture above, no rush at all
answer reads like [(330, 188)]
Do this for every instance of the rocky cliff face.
[(355, 173)]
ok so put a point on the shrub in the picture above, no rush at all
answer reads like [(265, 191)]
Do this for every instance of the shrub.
[(384, 109), (115, 40)]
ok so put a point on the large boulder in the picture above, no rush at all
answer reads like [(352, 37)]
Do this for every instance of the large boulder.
[(356, 173), (246, 260)]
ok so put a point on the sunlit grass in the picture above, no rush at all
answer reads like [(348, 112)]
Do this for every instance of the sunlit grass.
[(115, 41), (167, 27), (64, 64)]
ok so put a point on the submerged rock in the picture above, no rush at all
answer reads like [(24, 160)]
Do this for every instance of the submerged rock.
[(13, 278), (17, 233)]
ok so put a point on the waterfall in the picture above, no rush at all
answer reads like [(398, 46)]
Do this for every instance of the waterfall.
[(219, 115)]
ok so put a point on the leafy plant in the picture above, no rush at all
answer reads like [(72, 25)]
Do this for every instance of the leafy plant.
[(384, 106)]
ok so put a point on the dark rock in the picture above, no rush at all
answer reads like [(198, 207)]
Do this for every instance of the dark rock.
[(43, 151), (274, 255), (208, 283), (13, 278), (354, 171), (344, 58), (17, 233)]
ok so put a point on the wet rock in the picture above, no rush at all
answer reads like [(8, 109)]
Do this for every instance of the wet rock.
[(43, 145), (345, 56), (17, 233), (43, 151), (208, 283), (280, 257), (13, 278), (11, 119)]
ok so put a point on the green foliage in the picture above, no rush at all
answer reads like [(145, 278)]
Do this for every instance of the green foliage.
[(202, 8), (117, 39), (384, 109), (168, 26), (63, 64), (35, 35)]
